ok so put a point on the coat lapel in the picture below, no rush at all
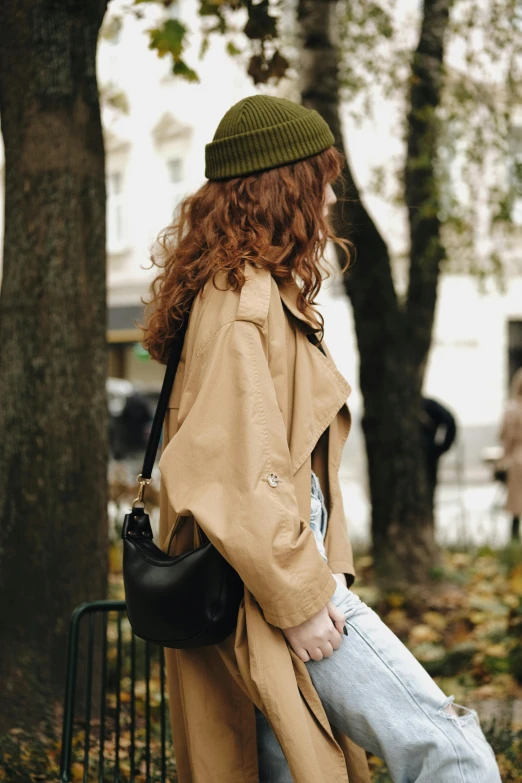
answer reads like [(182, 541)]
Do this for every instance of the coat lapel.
[(289, 293), (320, 390)]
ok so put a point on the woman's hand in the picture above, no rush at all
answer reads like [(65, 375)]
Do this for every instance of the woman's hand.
[(319, 636)]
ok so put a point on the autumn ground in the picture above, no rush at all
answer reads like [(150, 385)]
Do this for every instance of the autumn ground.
[(466, 629)]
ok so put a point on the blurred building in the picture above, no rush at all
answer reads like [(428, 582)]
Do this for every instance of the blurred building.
[(156, 127)]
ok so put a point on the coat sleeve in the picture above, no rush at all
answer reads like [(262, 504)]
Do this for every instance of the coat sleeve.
[(231, 436)]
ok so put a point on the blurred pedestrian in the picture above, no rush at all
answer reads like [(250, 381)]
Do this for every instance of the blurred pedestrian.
[(129, 424), (439, 430), (511, 438)]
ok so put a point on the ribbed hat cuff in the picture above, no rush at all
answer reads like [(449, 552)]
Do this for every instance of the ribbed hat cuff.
[(266, 148)]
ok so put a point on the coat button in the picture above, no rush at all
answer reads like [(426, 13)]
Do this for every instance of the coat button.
[(273, 479)]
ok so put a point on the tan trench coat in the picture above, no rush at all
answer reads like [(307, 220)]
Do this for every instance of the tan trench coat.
[(252, 397)]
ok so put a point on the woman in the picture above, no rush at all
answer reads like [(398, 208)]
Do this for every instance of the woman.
[(511, 438), (253, 441)]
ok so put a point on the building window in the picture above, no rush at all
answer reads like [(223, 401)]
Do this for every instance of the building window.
[(115, 213)]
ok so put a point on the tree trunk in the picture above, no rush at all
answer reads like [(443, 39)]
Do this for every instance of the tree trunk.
[(420, 181), (393, 340), (53, 415)]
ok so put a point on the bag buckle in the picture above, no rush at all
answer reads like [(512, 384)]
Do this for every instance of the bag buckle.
[(141, 491)]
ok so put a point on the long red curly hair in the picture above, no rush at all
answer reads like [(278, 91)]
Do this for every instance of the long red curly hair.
[(274, 218)]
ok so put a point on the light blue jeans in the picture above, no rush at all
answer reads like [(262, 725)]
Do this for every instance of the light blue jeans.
[(375, 691)]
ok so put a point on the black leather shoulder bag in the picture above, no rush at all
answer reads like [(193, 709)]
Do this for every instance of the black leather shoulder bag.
[(187, 601)]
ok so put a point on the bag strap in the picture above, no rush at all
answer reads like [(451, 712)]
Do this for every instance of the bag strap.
[(144, 477)]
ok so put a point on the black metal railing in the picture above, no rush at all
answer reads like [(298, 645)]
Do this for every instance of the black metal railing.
[(115, 723)]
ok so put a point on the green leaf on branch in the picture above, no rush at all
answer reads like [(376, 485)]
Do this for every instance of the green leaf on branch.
[(214, 7), (181, 68), (232, 49), (168, 39), (205, 44)]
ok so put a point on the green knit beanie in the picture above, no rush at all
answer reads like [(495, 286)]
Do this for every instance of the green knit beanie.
[(261, 132)]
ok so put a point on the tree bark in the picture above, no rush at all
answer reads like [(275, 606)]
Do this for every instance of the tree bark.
[(393, 340), (420, 181), (53, 415)]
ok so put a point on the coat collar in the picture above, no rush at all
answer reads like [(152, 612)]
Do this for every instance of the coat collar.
[(289, 293)]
